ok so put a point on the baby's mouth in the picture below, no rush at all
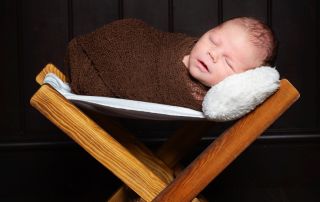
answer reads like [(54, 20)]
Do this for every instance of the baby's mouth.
[(202, 66)]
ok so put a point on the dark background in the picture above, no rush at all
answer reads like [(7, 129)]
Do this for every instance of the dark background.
[(39, 163)]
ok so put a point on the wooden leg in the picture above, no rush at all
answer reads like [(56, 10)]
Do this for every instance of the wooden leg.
[(109, 152), (173, 150), (228, 146), (137, 149)]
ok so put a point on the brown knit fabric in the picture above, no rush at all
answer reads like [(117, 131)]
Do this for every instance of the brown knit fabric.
[(129, 59)]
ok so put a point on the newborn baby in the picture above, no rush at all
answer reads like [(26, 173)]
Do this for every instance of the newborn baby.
[(235, 46), (131, 60)]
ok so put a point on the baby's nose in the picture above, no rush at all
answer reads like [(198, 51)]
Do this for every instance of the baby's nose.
[(213, 56)]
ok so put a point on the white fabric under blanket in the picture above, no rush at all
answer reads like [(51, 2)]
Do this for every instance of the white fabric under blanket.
[(122, 107), (230, 99)]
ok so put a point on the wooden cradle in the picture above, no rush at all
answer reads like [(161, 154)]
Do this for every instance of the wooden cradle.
[(152, 176)]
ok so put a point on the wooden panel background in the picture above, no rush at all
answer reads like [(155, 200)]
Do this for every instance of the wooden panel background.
[(33, 152), (152, 11), (195, 19), (44, 35), (97, 13), (10, 86)]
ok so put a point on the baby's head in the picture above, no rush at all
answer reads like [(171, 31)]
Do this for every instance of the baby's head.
[(234, 46)]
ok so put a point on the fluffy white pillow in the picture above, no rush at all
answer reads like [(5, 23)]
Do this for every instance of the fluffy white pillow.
[(240, 93)]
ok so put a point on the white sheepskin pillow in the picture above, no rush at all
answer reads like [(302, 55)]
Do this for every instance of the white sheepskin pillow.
[(240, 93)]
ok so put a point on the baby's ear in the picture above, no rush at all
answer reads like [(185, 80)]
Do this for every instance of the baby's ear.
[(185, 60), (240, 93)]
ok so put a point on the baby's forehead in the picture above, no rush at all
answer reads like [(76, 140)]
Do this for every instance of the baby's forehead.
[(230, 29), (237, 38), (230, 24)]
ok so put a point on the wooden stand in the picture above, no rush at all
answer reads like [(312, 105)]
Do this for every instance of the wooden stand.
[(149, 175)]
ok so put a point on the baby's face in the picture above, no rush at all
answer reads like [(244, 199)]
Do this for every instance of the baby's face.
[(221, 52)]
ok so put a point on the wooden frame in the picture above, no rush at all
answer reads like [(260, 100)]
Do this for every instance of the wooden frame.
[(149, 175)]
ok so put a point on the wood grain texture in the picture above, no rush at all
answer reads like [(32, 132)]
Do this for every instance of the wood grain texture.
[(228, 146), (97, 142), (50, 68), (123, 194), (172, 151), (139, 150)]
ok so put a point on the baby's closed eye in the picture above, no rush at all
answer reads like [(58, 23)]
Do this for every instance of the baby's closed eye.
[(214, 41), (228, 63)]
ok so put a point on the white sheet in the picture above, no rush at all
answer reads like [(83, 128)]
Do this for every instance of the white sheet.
[(122, 107)]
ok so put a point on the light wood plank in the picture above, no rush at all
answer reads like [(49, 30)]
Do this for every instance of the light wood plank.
[(97, 142), (139, 150), (50, 68), (228, 146), (173, 150)]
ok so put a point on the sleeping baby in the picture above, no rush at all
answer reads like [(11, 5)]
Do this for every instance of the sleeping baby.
[(235, 46), (132, 60)]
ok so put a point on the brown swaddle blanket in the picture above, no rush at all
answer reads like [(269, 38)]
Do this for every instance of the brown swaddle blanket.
[(131, 60)]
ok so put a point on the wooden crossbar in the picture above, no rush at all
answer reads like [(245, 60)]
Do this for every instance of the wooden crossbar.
[(228, 146), (172, 151), (97, 142)]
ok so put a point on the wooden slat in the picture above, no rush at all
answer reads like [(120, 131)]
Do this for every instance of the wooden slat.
[(97, 142), (136, 148), (121, 195), (172, 151), (50, 68), (228, 146)]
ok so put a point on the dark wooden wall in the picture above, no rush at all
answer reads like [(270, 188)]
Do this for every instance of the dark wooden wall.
[(36, 32)]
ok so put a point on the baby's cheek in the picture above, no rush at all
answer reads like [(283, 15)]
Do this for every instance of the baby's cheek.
[(198, 49), (229, 73)]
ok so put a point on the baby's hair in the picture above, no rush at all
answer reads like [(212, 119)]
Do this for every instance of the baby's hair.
[(262, 36)]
